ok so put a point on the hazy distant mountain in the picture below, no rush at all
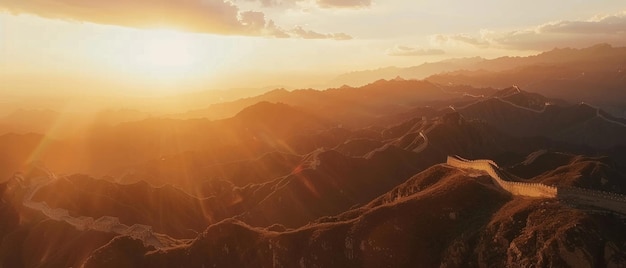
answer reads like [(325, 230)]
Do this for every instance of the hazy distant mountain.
[(16, 151), (599, 56), (198, 99), (347, 105), (64, 124), (25, 121), (359, 78), (596, 75), (114, 117)]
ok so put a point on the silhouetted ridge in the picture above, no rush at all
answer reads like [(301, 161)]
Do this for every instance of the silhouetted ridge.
[(280, 118), (577, 124), (591, 74)]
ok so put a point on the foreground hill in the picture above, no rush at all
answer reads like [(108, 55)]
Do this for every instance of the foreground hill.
[(392, 206), (348, 177), (442, 216)]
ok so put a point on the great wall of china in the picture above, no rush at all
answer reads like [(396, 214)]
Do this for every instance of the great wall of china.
[(543, 109), (107, 224), (417, 145), (571, 195)]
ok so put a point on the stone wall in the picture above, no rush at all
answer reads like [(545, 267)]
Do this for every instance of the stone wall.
[(500, 179), (573, 195), (106, 224)]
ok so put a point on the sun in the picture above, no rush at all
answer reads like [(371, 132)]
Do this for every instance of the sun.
[(163, 55), (158, 61), (166, 50)]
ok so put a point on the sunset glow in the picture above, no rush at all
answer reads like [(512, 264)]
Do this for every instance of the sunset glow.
[(162, 55), (209, 44), (312, 133)]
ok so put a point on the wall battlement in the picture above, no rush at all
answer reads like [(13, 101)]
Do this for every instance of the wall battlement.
[(106, 224), (577, 196)]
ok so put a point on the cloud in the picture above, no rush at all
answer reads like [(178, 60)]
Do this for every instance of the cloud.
[(205, 16), (319, 3), (344, 3), (413, 51), (615, 24), (276, 3), (308, 34), (604, 29), (213, 16), (254, 20)]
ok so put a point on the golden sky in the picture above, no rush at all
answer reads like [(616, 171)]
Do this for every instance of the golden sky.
[(151, 47)]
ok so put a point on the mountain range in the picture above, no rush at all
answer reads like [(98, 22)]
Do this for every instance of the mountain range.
[(343, 177)]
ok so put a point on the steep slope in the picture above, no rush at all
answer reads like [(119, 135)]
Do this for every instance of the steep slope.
[(577, 124), (563, 169), (454, 134), (53, 243), (29, 240), (329, 184), (521, 98), (442, 216), (166, 209)]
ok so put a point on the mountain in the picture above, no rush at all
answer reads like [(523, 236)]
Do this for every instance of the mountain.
[(351, 107), (167, 209), (415, 72), (66, 124), (567, 74), (346, 177), (551, 168), (114, 117), (17, 151), (601, 56), (525, 114), (26, 121), (251, 133), (476, 224), (562, 73)]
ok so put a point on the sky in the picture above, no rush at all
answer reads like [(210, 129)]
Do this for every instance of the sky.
[(161, 47)]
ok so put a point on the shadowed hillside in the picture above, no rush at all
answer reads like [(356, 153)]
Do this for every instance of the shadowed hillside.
[(346, 177)]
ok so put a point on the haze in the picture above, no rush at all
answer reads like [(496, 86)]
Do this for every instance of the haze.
[(312, 133), (150, 48)]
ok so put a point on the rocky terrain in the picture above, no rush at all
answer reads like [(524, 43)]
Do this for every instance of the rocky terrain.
[(396, 173)]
